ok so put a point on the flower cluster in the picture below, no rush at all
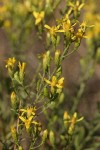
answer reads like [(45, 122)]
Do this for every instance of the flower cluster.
[(70, 122), (66, 27), (16, 75), (28, 117), (55, 83), (92, 17)]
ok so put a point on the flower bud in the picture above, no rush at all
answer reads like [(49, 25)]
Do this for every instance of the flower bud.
[(13, 100), (59, 72), (46, 61), (14, 133), (61, 98), (52, 138), (45, 133), (45, 91), (71, 129), (57, 57), (21, 71), (20, 148), (66, 117)]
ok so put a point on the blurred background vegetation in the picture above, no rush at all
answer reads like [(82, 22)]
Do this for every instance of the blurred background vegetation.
[(21, 38)]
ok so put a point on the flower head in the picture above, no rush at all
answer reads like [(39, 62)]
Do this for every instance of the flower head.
[(27, 122), (21, 70), (39, 16), (10, 63), (30, 111), (76, 6), (22, 67), (66, 25), (53, 30), (54, 83), (70, 122)]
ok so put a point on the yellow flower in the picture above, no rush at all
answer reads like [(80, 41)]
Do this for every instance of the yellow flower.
[(73, 121), (30, 111), (55, 83), (21, 70), (28, 121), (65, 23), (53, 30), (66, 116), (10, 63), (22, 66), (70, 122), (76, 6), (80, 34), (39, 16), (74, 118)]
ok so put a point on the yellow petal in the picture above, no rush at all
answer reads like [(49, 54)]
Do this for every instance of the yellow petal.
[(22, 119), (60, 31), (23, 110), (47, 81), (59, 86), (54, 79), (35, 14), (38, 20), (46, 26), (42, 14), (34, 122), (80, 7), (61, 81), (80, 119), (30, 118)]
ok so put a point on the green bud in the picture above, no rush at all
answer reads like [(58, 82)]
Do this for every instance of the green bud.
[(45, 92), (77, 44), (45, 133), (13, 100), (71, 129), (54, 40), (61, 98), (57, 57), (52, 138), (21, 70), (59, 91), (68, 36), (52, 105), (46, 61), (58, 40), (20, 148), (14, 134), (59, 72)]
